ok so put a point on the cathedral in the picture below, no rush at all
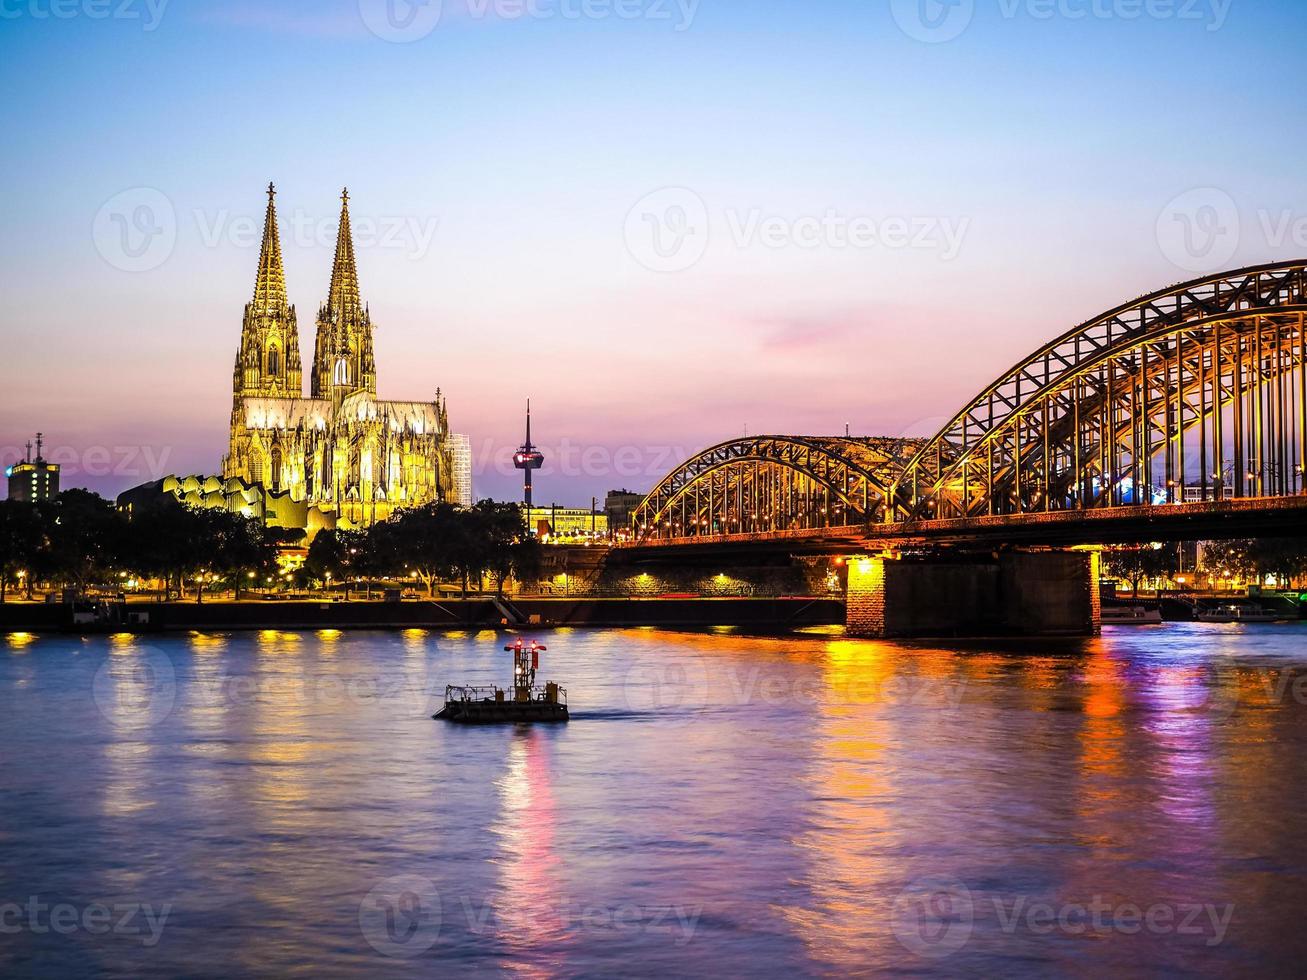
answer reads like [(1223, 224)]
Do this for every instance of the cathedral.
[(343, 455)]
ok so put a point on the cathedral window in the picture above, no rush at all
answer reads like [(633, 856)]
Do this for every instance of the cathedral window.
[(276, 469), (274, 362), (342, 372)]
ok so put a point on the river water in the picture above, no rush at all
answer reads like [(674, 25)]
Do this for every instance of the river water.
[(269, 804)]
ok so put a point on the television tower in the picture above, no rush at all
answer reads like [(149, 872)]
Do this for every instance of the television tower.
[(528, 458)]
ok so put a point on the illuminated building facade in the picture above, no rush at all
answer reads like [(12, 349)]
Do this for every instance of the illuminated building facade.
[(348, 457), (33, 480), (460, 449), (565, 521)]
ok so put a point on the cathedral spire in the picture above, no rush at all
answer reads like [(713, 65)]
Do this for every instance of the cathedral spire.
[(343, 360), (343, 298), (270, 284)]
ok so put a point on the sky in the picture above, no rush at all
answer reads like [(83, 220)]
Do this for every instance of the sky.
[(667, 222)]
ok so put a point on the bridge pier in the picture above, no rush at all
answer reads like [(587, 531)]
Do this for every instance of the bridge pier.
[(1014, 593)]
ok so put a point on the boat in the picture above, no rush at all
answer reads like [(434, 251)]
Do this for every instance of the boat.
[(1132, 616), (523, 703), (1236, 613)]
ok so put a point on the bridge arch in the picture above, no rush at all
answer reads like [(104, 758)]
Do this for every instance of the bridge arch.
[(1198, 391), (766, 484)]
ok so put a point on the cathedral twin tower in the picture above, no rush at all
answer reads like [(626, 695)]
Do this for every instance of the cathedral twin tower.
[(340, 456)]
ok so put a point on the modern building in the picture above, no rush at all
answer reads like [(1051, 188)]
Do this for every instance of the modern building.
[(275, 509), (558, 521), (460, 449), (618, 507), (349, 457), (33, 480)]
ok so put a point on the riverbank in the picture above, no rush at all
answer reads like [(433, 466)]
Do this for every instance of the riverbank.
[(770, 613)]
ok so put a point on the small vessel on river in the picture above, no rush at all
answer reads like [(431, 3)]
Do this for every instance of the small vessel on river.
[(496, 706), (1236, 613), (1132, 616)]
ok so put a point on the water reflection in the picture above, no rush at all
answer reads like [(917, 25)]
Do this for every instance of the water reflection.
[(527, 911), (755, 806)]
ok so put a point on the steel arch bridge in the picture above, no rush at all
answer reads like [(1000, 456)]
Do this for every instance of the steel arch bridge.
[(1194, 396), (774, 484)]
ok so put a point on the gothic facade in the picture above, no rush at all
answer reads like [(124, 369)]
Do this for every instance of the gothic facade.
[(350, 457)]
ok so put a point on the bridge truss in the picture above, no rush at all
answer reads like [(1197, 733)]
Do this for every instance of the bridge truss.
[(1197, 392), (772, 484), (1194, 394)]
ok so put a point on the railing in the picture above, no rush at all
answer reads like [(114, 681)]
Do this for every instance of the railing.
[(460, 692)]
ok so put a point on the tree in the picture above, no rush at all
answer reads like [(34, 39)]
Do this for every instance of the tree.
[(1285, 558), (1228, 559), (20, 540), (238, 544), (82, 533), (166, 539), (417, 541), (510, 549), (1147, 562), (338, 553)]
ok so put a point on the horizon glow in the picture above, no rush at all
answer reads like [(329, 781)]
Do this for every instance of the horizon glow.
[(865, 227)]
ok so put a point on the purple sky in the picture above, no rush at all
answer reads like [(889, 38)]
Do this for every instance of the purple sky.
[(783, 217)]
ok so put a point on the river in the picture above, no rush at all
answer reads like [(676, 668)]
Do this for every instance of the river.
[(273, 804)]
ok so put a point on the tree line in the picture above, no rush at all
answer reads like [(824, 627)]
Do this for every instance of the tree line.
[(1243, 559), (432, 544), (79, 539)]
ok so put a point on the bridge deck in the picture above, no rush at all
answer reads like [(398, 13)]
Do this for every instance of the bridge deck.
[(1252, 516)]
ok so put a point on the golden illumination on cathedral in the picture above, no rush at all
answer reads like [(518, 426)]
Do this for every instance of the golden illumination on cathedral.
[(342, 454)]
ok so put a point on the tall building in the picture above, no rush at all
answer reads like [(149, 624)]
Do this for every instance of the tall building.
[(460, 450), (619, 505), (33, 480), (351, 458)]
